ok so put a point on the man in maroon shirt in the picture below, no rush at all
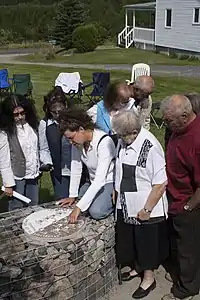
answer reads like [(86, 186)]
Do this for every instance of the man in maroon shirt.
[(183, 171)]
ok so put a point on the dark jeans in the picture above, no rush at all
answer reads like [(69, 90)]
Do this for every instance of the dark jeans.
[(28, 188), (102, 205), (185, 253), (61, 188)]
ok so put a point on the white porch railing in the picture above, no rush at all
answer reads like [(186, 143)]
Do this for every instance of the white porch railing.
[(144, 34), (122, 35), (129, 38), (136, 34)]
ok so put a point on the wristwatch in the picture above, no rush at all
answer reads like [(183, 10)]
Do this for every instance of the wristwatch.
[(187, 207), (147, 211)]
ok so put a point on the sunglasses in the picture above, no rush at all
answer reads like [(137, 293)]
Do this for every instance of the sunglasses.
[(17, 114)]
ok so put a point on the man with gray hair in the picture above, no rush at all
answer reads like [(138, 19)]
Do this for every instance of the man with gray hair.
[(183, 190), (141, 91)]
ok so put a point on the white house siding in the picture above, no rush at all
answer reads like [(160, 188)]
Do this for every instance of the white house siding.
[(183, 34)]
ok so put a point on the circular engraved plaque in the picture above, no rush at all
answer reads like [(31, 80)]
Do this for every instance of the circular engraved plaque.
[(51, 225)]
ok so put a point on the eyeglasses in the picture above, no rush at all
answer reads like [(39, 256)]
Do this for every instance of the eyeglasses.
[(17, 114), (55, 112), (125, 135), (71, 138)]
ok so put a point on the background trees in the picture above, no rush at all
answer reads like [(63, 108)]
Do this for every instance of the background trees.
[(46, 19)]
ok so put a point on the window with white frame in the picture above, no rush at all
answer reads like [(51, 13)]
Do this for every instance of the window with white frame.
[(196, 15), (168, 18)]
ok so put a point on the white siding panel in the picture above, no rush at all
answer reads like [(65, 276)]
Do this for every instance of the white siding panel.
[(183, 34)]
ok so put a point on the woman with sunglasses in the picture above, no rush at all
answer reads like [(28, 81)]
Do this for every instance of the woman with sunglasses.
[(19, 125), (96, 150), (55, 149)]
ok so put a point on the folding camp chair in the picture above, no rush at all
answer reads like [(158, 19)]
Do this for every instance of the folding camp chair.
[(139, 70), (154, 111), (22, 84), (99, 83), (71, 85), (5, 85)]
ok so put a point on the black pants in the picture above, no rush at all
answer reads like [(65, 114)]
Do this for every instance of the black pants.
[(185, 253), (142, 247)]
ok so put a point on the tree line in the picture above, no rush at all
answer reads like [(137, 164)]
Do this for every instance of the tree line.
[(36, 19)]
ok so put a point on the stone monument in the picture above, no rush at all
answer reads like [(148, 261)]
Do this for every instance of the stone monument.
[(42, 256), (51, 225)]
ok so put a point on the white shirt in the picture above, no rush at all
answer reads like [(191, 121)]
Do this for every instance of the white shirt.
[(99, 161), (145, 158), (5, 162), (29, 144), (45, 155)]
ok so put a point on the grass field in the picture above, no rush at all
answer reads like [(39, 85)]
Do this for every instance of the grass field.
[(43, 79), (114, 56)]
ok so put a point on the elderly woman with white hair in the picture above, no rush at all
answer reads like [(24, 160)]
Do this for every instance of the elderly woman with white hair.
[(141, 207)]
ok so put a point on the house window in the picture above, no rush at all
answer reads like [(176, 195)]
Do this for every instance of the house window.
[(196, 16), (168, 18)]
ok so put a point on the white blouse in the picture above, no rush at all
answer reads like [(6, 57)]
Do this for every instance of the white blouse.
[(144, 159), (5, 162), (99, 160), (29, 144)]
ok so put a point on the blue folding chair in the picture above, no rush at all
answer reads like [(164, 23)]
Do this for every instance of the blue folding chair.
[(5, 86), (4, 80), (100, 81)]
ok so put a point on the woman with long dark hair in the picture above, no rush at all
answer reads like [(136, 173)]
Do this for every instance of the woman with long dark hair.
[(19, 125), (55, 149)]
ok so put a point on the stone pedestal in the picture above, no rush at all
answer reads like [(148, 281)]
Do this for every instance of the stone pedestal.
[(77, 263)]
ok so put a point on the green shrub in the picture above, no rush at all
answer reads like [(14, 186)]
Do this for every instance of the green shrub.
[(193, 58), (183, 57), (173, 54), (103, 33), (6, 36), (50, 54), (85, 38)]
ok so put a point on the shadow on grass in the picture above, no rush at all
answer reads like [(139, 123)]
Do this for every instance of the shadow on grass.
[(45, 195)]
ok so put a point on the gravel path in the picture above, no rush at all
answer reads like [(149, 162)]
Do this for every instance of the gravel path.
[(185, 71)]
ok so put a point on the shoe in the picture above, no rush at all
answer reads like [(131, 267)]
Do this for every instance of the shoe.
[(126, 276), (168, 277), (141, 293), (172, 297)]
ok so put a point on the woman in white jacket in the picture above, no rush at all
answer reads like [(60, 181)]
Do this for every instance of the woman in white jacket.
[(96, 150)]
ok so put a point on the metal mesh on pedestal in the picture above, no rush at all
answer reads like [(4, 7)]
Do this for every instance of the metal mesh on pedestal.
[(78, 269)]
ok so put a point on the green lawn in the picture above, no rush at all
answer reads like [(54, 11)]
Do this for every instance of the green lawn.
[(114, 56), (44, 77)]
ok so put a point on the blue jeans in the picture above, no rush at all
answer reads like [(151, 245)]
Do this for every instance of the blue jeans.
[(61, 189), (102, 205), (28, 188)]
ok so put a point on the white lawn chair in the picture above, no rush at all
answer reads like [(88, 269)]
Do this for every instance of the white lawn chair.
[(139, 70), (71, 84)]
